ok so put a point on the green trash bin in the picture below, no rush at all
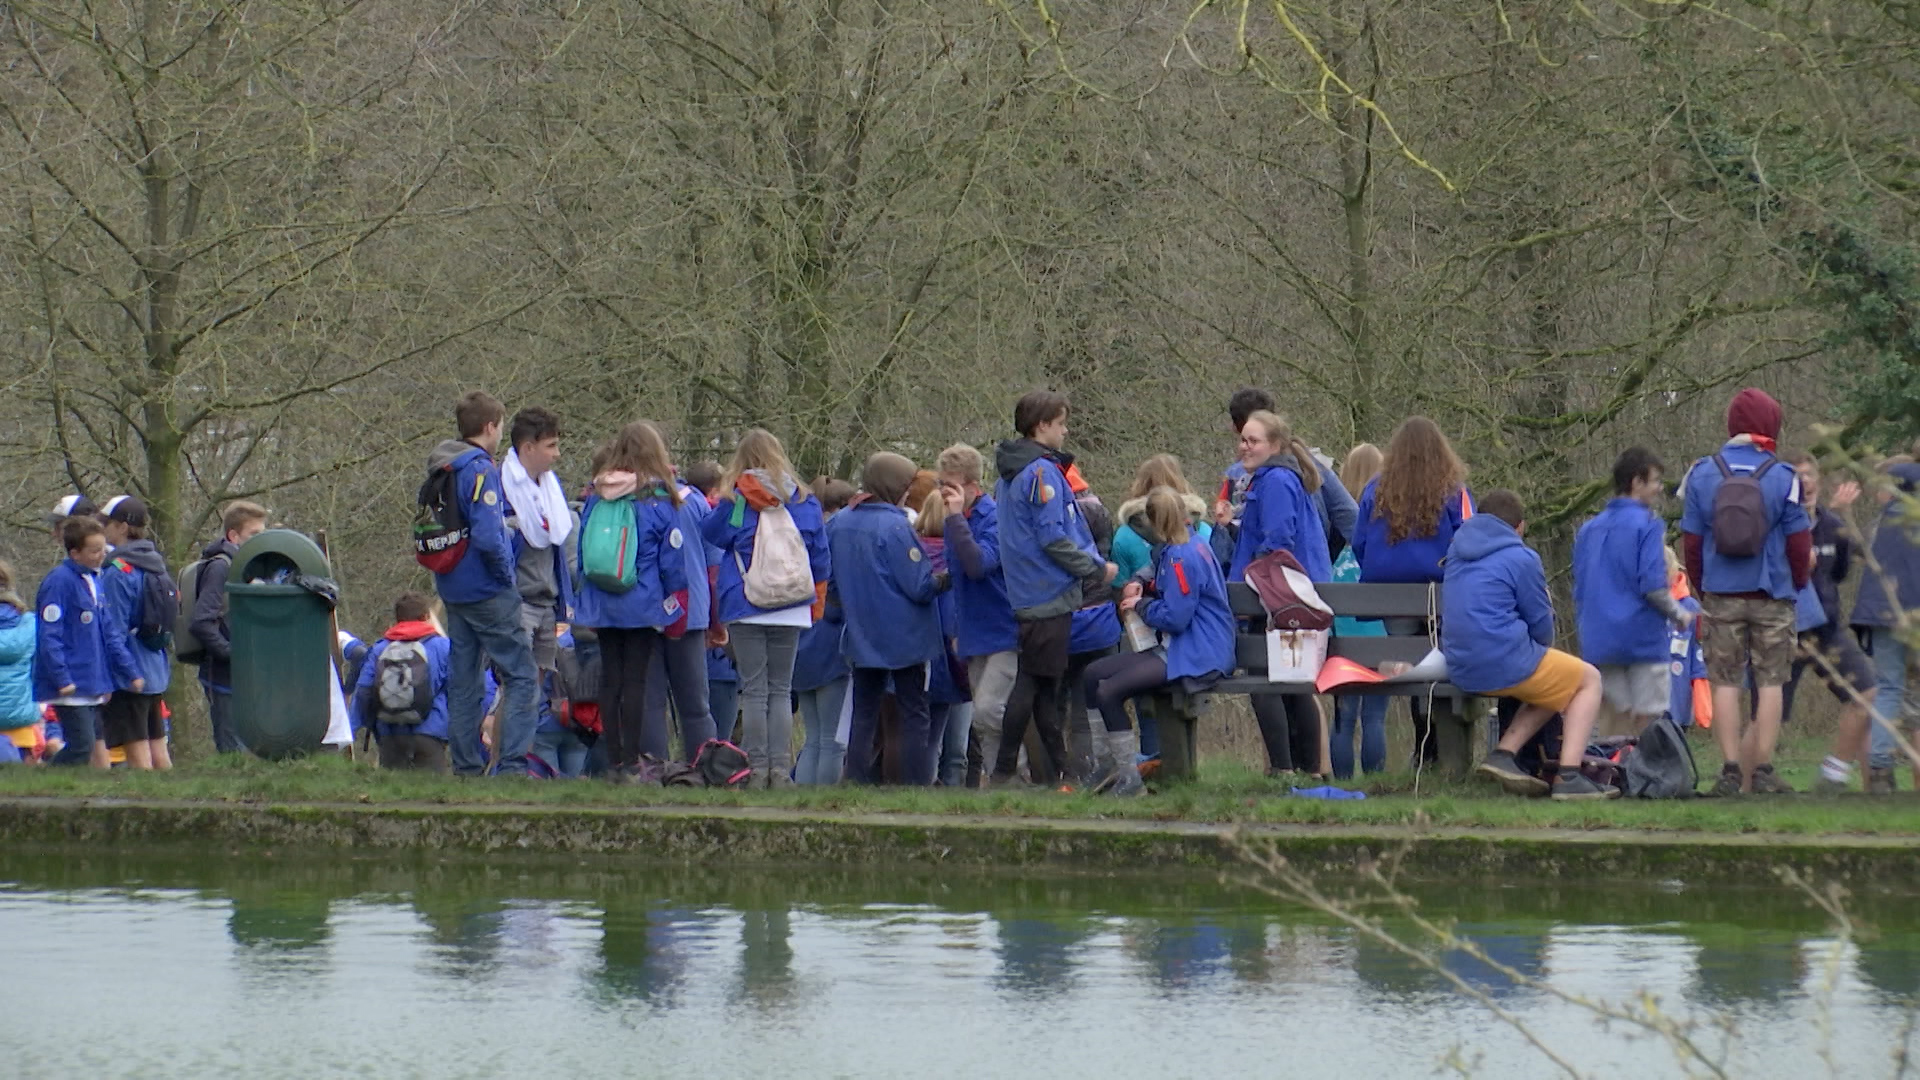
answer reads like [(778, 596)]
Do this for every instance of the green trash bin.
[(282, 637)]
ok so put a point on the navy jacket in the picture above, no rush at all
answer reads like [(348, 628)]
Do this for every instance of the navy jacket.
[(486, 570), (123, 585), (660, 570), (1046, 549), (888, 602), (362, 702), (1496, 619), (80, 645), (1414, 560), (984, 621), (1618, 558), (1191, 608), (1280, 516)]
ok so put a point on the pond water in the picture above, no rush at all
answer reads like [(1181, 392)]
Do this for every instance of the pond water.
[(206, 964)]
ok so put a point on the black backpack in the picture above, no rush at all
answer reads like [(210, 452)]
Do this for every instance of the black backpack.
[(159, 607), (440, 529), (722, 764), (403, 684), (1740, 519), (1660, 765)]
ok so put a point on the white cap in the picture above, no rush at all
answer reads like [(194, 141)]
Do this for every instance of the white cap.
[(68, 506), (106, 510)]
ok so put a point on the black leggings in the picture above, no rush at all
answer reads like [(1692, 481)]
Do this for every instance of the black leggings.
[(1290, 728), (1112, 681), (625, 655)]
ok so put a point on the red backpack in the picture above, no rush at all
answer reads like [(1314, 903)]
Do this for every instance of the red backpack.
[(1287, 593), (440, 529)]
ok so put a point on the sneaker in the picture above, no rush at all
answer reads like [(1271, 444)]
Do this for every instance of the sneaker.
[(1579, 788), (777, 779), (1728, 786), (1880, 782), (1767, 782), (1827, 785), (1503, 770)]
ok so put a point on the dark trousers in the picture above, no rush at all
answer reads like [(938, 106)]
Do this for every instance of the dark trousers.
[(679, 669), (1036, 693), (625, 655), (220, 716), (1112, 681), (422, 752), (1290, 729), (909, 686), (79, 726)]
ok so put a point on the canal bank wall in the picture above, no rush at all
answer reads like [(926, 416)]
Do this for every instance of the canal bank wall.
[(782, 836)]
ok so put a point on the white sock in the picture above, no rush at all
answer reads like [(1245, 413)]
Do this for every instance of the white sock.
[(1836, 770)]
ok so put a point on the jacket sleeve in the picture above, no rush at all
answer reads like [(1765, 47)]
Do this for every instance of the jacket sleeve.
[(1341, 510), (1361, 515), (17, 644), (669, 538), (1650, 563), (1179, 596), (210, 607), (910, 566), (360, 703), (52, 649), (717, 527), (819, 556), (113, 632), (1530, 594), (488, 521), (964, 548)]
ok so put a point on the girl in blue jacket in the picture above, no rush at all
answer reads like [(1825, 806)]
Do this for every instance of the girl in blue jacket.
[(1190, 607), (80, 650), (631, 624), (892, 625), (820, 673), (18, 713), (1279, 514)]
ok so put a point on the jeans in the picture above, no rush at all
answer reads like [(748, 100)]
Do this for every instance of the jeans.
[(563, 750), (950, 744), (764, 657), (910, 694), (822, 754), (1371, 715), (80, 726), (723, 701), (220, 716), (1889, 697), (491, 626), (992, 678), (626, 655), (679, 666)]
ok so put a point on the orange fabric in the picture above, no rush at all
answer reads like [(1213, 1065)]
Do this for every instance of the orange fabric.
[(1703, 703), (1466, 505), (1552, 684), (819, 600), (1075, 482), (756, 493)]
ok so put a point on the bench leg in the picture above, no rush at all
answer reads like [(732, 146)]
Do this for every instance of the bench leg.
[(1179, 738), (1453, 737)]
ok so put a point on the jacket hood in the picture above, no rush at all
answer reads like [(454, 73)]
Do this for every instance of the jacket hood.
[(415, 630), (615, 484), (217, 548), (1753, 412), (1481, 536), (450, 451), (1014, 455), (1133, 512), (1284, 460), (762, 489), (142, 555)]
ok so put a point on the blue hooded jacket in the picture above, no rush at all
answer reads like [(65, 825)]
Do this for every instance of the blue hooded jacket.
[(123, 589), (1414, 560), (1046, 549), (1496, 619), (730, 528), (1191, 607), (1767, 572), (700, 556), (486, 570), (79, 643), (17, 633), (1094, 628), (1896, 551), (984, 616), (891, 621), (660, 570), (438, 664), (1280, 516), (1618, 558)]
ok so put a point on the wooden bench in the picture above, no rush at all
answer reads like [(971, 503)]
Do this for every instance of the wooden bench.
[(1451, 709)]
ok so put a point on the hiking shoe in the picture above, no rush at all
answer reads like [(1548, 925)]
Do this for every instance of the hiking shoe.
[(1767, 782), (1503, 770), (1579, 788), (1728, 786), (777, 779), (1880, 782)]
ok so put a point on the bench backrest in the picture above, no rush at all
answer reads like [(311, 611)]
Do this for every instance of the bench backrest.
[(1351, 601)]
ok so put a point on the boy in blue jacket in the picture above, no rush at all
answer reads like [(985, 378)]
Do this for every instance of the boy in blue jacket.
[(1496, 630), (892, 626), (80, 651), (135, 719), (1048, 557), (987, 638), (482, 598), (402, 690), (1624, 610)]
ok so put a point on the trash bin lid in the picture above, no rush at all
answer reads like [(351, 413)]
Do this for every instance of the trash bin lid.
[(274, 549)]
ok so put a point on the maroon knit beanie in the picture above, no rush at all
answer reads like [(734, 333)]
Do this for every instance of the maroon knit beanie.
[(1753, 412)]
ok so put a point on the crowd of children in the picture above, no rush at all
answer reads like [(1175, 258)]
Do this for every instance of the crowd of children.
[(960, 627)]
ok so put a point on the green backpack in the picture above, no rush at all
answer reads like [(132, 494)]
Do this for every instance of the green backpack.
[(607, 541)]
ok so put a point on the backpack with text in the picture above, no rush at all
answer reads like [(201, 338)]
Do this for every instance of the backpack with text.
[(159, 608), (780, 575), (1740, 518), (607, 542), (440, 528), (403, 684), (187, 648)]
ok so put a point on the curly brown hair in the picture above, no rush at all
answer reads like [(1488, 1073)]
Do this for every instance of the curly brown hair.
[(1420, 472)]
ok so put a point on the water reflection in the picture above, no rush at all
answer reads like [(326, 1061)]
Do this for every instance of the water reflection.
[(998, 972)]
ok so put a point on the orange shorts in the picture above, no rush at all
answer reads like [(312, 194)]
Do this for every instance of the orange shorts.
[(1552, 684)]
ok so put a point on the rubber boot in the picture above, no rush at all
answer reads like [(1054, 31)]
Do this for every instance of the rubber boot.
[(1117, 751)]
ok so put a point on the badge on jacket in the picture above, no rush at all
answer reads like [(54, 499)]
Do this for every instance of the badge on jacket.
[(50, 613)]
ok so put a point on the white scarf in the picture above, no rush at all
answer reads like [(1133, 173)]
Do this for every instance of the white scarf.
[(541, 508)]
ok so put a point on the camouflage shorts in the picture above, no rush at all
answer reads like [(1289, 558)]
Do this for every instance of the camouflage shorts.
[(1736, 629)]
